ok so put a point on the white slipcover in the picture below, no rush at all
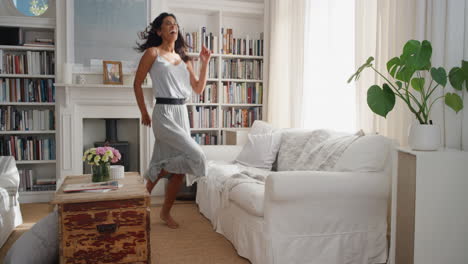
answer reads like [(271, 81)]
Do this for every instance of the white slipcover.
[(10, 213), (307, 216)]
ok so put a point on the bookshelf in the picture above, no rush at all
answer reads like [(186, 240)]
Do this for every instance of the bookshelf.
[(237, 80), (27, 107)]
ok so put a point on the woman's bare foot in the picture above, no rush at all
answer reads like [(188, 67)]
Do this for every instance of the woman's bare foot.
[(170, 222)]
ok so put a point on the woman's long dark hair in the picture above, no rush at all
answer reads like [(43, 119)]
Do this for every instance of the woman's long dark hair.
[(153, 40)]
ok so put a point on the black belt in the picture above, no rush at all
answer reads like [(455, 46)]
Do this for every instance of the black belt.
[(172, 101)]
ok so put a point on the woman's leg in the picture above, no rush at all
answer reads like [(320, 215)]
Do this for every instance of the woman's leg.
[(171, 191), (150, 185)]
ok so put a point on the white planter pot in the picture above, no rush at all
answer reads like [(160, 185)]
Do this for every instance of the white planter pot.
[(424, 137)]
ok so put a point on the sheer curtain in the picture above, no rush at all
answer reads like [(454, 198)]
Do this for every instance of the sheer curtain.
[(382, 29), (286, 58), (328, 101)]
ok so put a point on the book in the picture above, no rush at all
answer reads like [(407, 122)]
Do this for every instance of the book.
[(113, 185)]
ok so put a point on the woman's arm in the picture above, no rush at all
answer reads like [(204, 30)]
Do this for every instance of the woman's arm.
[(146, 62), (198, 85)]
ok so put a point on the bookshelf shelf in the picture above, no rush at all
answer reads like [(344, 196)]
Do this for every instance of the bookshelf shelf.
[(233, 56), (204, 129), (22, 162), (19, 132), (14, 47), (40, 76), (203, 104), (26, 104), (240, 80), (241, 105)]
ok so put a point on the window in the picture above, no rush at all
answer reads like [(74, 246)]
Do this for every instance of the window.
[(329, 101)]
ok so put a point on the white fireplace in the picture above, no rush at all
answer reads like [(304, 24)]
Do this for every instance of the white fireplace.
[(78, 102)]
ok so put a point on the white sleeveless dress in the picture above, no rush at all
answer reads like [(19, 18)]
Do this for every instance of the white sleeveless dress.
[(174, 149)]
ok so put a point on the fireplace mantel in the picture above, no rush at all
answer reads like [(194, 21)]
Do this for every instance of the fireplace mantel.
[(76, 102)]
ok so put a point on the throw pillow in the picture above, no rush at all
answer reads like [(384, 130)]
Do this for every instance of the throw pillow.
[(261, 127), (293, 142), (260, 150), (38, 245), (324, 149)]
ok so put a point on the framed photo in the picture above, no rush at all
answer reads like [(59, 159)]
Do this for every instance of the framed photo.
[(112, 72)]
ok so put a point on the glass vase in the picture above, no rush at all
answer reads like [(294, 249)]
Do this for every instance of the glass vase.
[(101, 172)]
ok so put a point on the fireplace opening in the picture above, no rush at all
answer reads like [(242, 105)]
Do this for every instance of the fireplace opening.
[(112, 141), (122, 134)]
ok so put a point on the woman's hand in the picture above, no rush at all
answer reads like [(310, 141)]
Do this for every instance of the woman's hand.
[(145, 119), (205, 55)]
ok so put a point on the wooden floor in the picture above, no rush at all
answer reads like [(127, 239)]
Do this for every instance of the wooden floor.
[(194, 242)]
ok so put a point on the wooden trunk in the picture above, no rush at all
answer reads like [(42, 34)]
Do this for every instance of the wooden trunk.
[(108, 229)]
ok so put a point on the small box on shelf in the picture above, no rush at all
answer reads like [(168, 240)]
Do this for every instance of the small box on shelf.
[(233, 137)]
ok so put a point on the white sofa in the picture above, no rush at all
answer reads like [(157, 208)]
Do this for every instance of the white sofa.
[(320, 217), (10, 213)]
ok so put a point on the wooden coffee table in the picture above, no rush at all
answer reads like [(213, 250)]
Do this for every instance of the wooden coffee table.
[(109, 227)]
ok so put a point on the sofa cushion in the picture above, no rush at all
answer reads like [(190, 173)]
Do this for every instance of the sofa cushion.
[(38, 245), (249, 197), (260, 150), (366, 154), (261, 127)]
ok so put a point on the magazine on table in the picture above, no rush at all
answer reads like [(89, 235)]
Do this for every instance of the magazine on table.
[(77, 187)]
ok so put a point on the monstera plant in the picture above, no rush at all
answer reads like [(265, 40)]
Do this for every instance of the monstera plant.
[(413, 79)]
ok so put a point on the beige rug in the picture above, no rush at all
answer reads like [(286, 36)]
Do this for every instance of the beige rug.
[(194, 242)]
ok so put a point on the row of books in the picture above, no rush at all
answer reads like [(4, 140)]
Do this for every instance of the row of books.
[(205, 138), (28, 148), (242, 69), (195, 40), (233, 117), (242, 93), (27, 62), (28, 182), (13, 119), (229, 45), (240, 46), (212, 67), (209, 95), (27, 90), (203, 116)]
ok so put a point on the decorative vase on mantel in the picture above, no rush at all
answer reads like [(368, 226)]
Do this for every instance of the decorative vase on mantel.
[(101, 172), (425, 137)]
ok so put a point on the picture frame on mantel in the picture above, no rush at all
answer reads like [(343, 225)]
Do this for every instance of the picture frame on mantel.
[(112, 72)]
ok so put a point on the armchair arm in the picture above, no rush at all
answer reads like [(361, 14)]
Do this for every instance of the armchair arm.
[(9, 175), (299, 185), (221, 152), (317, 203)]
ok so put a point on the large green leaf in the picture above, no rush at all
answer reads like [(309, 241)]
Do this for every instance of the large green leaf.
[(456, 77), (380, 101), (410, 48), (454, 101), (418, 84), (360, 69), (405, 73), (417, 55), (399, 84), (465, 71), (393, 65), (439, 76)]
